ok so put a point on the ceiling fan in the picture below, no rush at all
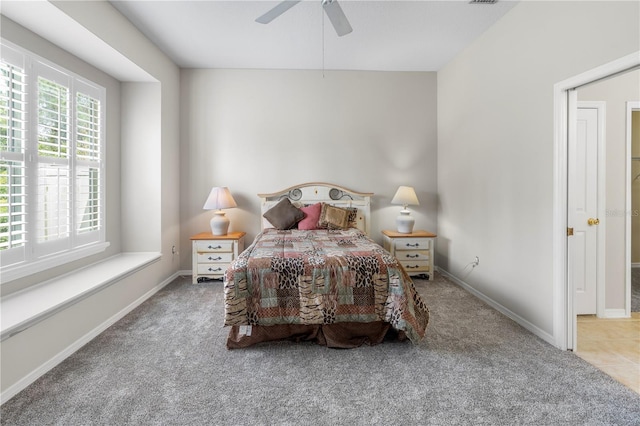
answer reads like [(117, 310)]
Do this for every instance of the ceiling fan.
[(331, 8)]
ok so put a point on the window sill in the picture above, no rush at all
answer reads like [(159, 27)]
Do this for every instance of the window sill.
[(10, 273), (23, 309)]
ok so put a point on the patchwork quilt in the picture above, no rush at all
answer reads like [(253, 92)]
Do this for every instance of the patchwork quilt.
[(321, 276)]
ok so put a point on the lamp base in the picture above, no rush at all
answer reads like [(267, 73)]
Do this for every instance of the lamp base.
[(405, 222), (219, 223)]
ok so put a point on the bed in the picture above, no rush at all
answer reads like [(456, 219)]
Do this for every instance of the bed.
[(314, 274)]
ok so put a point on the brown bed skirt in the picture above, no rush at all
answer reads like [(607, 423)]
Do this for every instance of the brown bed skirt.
[(339, 335)]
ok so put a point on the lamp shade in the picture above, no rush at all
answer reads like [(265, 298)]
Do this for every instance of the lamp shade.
[(406, 196), (219, 198)]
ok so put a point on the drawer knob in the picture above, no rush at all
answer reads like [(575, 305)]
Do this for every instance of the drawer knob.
[(413, 256), (214, 270), (411, 266), (214, 248), (214, 258), (413, 245)]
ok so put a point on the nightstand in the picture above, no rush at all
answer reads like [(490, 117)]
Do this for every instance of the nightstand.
[(212, 254), (414, 251)]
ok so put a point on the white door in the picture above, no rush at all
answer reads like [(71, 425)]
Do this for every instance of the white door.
[(584, 150)]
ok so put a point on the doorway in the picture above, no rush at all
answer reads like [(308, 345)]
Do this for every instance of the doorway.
[(607, 340), (565, 100)]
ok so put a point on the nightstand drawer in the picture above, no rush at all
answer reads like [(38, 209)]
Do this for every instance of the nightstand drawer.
[(413, 266), (412, 255), (214, 246), (212, 268), (411, 244), (215, 257)]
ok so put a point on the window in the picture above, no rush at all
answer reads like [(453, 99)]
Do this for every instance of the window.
[(51, 164)]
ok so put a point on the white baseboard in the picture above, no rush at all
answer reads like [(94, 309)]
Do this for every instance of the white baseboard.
[(498, 307), (13, 390), (185, 273), (615, 313)]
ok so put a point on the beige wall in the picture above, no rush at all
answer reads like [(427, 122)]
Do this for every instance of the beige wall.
[(261, 131), (496, 145), (615, 93)]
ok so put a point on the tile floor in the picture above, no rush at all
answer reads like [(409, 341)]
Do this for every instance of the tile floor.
[(613, 346)]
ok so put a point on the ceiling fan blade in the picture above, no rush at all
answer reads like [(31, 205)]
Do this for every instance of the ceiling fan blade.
[(337, 17), (277, 11)]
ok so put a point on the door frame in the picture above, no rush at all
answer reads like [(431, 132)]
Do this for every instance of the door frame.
[(630, 107), (601, 229), (564, 319)]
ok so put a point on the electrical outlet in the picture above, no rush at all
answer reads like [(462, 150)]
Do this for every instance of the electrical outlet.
[(476, 261), (174, 250)]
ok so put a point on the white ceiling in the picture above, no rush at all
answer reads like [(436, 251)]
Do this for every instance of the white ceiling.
[(388, 35)]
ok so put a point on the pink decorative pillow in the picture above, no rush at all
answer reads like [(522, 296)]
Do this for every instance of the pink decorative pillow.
[(311, 220)]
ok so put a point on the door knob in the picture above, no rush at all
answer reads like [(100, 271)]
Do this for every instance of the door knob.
[(593, 221)]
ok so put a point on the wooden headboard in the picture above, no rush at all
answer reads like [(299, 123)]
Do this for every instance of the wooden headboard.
[(315, 192)]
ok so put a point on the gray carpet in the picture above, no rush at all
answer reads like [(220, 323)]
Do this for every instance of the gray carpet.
[(635, 289), (166, 364)]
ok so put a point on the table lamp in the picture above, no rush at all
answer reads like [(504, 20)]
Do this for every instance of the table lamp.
[(405, 195), (219, 198)]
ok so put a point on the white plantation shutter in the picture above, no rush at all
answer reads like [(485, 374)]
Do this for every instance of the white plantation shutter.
[(53, 192), (88, 163), (52, 169), (13, 116)]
